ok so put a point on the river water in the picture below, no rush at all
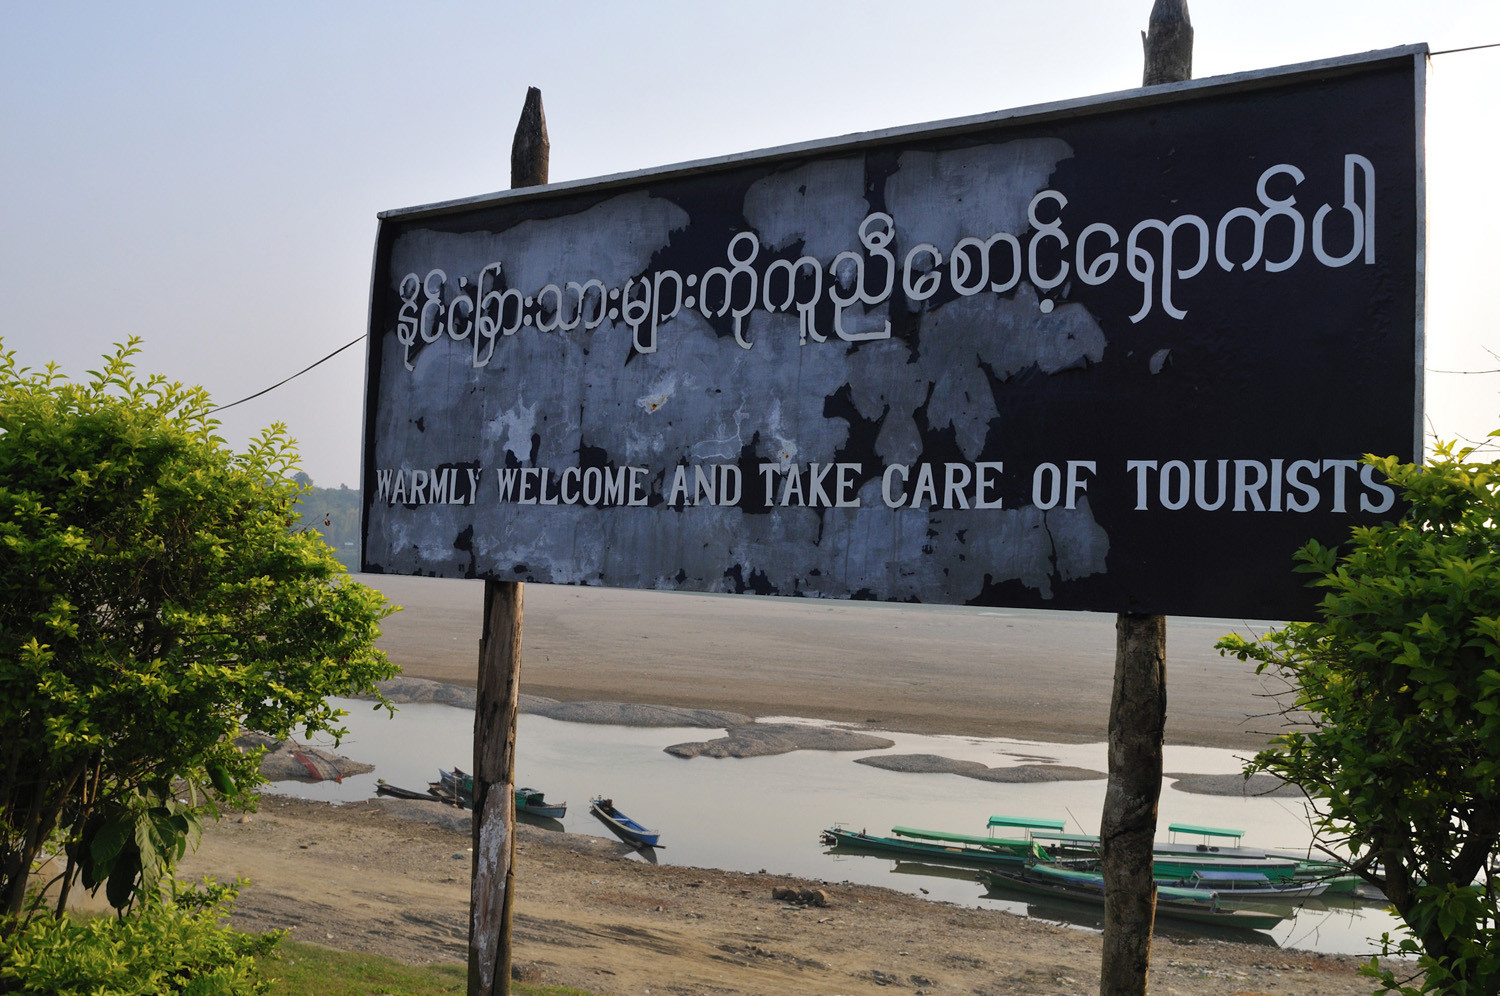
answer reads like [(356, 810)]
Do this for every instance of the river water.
[(765, 813)]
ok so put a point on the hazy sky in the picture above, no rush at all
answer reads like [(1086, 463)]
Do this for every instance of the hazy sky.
[(207, 176)]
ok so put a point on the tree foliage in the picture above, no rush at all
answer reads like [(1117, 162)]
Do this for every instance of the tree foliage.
[(1397, 686), (178, 945), (153, 604)]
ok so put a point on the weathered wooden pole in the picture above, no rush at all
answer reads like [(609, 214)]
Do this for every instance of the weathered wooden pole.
[(492, 892), (1127, 830), (1138, 709), (1168, 40)]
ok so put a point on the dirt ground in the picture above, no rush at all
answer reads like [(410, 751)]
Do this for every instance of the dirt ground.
[(393, 877)]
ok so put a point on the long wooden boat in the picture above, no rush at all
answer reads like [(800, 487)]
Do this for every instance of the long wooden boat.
[(1173, 867), (623, 826), (383, 787), (1173, 861), (1226, 843), (535, 803), (1006, 845), (1217, 849), (1185, 905), (1232, 885), (977, 852)]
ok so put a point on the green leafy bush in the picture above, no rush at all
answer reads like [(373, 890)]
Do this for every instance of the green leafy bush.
[(172, 947), (1396, 715), (154, 603)]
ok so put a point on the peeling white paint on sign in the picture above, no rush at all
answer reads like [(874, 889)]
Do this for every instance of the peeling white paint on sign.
[(1114, 356)]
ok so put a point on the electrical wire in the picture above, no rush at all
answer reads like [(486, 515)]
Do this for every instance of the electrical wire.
[(1471, 48), (294, 376)]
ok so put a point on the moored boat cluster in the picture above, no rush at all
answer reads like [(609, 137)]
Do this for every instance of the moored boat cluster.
[(456, 788), (1210, 882)]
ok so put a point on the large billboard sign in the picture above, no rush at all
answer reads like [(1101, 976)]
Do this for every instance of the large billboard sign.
[(1121, 354)]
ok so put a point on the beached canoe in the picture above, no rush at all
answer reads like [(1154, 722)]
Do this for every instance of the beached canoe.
[(383, 787), (623, 826)]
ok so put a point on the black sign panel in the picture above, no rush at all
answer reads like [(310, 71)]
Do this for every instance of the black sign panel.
[(1118, 355)]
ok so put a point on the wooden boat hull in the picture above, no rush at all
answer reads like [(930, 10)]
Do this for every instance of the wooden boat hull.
[(383, 787), (1020, 848), (1177, 860), (623, 826), (534, 803), (957, 854), (1166, 868), (1254, 887)]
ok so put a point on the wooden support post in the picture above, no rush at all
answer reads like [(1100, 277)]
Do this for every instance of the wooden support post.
[(1168, 39), (1138, 710), (495, 709), (492, 887), (530, 151), (1127, 830)]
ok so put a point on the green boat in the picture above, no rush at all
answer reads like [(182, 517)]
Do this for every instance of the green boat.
[(1170, 867), (1020, 848), (1225, 843), (1173, 860), (534, 803), (932, 845), (1185, 905)]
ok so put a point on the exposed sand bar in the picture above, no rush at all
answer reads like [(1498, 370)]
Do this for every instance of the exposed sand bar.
[(1032, 675)]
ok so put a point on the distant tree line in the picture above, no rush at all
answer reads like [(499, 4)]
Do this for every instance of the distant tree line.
[(333, 513)]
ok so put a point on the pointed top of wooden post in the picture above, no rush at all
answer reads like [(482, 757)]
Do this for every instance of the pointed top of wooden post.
[(529, 152), (1169, 43)]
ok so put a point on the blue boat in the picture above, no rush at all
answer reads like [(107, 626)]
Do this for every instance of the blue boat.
[(623, 826)]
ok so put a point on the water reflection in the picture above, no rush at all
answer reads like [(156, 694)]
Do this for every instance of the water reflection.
[(767, 813), (1076, 913), (541, 822)]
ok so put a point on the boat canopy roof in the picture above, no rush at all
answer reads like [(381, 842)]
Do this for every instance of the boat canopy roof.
[(1208, 875), (1176, 828), (1027, 823)]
